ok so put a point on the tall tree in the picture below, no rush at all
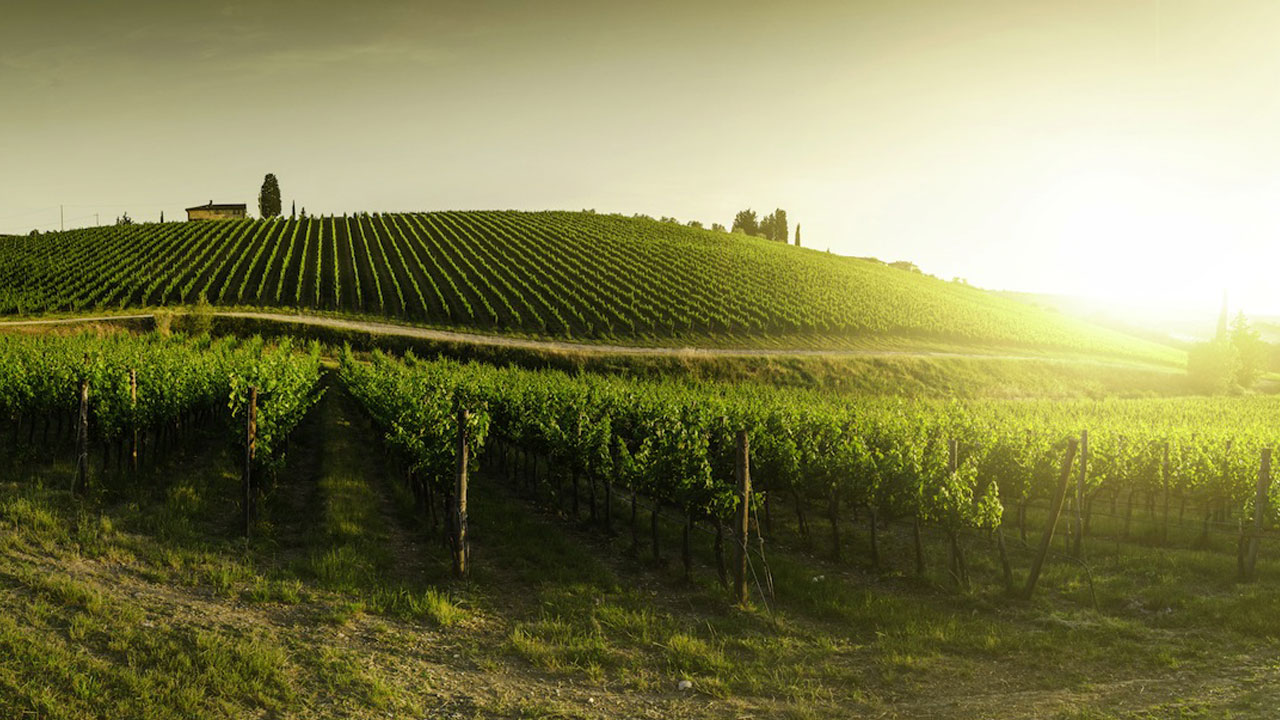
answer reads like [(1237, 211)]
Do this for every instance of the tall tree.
[(1251, 350), (745, 222), (774, 226), (269, 197), (768, 226), (797, 234), (1213, 366), (293, 209)]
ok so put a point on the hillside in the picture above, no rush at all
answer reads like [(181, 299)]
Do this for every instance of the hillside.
[(555, 274)]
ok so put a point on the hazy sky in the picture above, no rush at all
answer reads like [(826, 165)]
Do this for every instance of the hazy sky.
[(1116, 148)]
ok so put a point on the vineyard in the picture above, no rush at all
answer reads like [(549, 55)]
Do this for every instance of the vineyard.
[(133, 398), (963, 468), (892, 522), (557, 274), (639, 361)]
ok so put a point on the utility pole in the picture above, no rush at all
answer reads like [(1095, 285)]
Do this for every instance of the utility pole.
[(96, 222), (62, 221)]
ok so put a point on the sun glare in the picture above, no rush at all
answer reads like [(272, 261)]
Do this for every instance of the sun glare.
[(1133, 238)]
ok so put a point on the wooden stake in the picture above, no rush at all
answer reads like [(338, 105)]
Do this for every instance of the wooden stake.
[(956, 554), (686, 552), (460, 499), (574, 475), (722, 569), (742, 519), (1164, 472), (250, 452), (1004, 561), (1077, 550), (608, 491), (81, 481), (133, 396), (916, 542), (653, 530), (1055, 510), (873, 546), (833, 517), (635, 529), (1259, 513)]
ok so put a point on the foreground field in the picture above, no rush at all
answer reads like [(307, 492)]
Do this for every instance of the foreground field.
[(141, 601), (550, 274)]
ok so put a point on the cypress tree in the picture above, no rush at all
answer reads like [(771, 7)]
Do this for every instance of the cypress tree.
[(269, 197), (797, 234)]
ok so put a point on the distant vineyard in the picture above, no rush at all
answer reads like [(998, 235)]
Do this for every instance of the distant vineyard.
[(560, 274)]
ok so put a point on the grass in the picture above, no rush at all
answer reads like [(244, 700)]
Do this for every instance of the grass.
[(351, 546), (75, 651), (143, 602)]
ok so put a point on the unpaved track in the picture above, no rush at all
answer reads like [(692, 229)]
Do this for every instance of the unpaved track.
[(69, 321), (423, 333), (563, 346)]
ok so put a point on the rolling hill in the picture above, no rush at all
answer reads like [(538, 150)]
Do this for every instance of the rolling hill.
[(574, 275)]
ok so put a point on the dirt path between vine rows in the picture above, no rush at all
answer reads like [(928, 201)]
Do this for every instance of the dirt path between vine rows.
[(424, 333)]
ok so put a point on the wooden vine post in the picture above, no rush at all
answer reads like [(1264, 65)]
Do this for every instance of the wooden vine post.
[(1077, 550), (742, 521), (250, 452), (608, 488), (460, 498), (81, 480), (1211, 511), (1164, 475), (1259, 513), (133, 397), (1055, 511), (956, 554), (591, 483), (573, 472)]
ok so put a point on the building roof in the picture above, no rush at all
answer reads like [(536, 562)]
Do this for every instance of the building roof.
[(220, 206)]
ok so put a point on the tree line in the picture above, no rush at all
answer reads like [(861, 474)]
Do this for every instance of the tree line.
[(770, 227), (1235, 359)]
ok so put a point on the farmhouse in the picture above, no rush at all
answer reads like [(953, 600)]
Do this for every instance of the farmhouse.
[(223, 211)]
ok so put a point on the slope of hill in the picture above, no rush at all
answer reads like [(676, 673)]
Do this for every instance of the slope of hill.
[(555, 274), (1178, 327)]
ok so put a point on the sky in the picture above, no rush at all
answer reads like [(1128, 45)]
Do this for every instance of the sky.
[(1122, 150)]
